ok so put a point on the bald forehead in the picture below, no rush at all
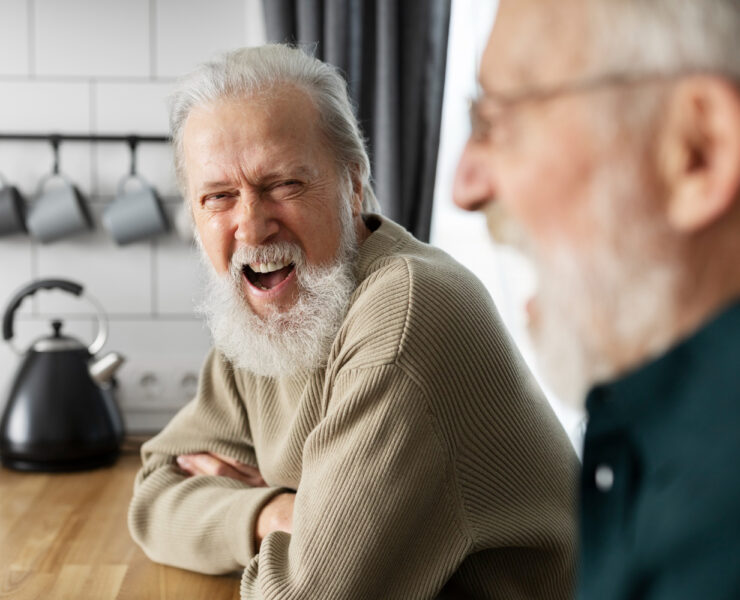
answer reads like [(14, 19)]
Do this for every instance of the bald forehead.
[(536, 43)]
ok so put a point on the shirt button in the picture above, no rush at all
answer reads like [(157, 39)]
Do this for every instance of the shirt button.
[(604, 478)]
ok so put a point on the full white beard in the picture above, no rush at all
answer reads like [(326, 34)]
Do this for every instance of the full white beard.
[(288, 341), (597, 305)]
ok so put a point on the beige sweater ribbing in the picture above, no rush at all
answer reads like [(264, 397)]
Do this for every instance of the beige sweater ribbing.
[(423, 455)]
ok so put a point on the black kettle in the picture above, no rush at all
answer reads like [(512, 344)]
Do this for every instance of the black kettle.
[(61, 414)]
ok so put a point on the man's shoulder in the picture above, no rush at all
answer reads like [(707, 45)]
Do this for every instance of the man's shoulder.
[(413, 296), (399, 266)]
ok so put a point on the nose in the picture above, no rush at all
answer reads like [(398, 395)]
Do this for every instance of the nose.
[(473, 188), (255, 222)]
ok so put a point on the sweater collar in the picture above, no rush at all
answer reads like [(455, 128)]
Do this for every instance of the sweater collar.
[(385, 235)]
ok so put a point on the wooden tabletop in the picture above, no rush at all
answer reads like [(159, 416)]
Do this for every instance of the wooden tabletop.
[(64, 537)]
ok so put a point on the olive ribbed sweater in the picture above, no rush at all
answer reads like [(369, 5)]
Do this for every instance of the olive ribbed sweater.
[(423, 455)]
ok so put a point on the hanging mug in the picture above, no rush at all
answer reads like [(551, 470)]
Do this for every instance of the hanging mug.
[(135, 214), (59, 212), (12, 209)]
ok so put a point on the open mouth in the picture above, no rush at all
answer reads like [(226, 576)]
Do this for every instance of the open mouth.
[(267, 276)]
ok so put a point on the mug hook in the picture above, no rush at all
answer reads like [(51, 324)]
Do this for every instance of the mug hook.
[(55, 141), (133, 142)]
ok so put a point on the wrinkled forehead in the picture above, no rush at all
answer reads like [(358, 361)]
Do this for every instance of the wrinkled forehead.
[(536, 43)]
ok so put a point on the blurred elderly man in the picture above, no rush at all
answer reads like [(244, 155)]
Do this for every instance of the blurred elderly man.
[(364, 427), (606, 145)]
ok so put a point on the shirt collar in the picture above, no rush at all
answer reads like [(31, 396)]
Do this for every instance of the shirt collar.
[(711, 354)]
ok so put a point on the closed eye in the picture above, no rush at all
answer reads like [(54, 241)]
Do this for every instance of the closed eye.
[(289, 183), (284, 189), (218, 200)]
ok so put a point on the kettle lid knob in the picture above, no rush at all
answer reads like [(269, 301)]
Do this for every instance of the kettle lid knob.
[(57, 325)]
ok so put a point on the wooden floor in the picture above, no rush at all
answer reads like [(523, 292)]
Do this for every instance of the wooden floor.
[(64, 536)]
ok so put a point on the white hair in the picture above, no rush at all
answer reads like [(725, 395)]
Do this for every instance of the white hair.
[(249, 71), (666, 36)]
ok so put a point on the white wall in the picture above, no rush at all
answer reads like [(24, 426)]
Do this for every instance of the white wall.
[(106, 66)]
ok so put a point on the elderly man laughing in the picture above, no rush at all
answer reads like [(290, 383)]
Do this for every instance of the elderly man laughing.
[(364, 427), (606, 145)]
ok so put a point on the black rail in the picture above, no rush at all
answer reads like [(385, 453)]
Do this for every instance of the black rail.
[(66, 137)]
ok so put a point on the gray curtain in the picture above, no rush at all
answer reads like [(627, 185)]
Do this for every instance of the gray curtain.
[(393, 54)]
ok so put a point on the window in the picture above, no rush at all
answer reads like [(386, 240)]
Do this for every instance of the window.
[(464, 235)]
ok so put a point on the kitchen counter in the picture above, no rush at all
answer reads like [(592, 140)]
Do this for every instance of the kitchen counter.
[(64, 536)]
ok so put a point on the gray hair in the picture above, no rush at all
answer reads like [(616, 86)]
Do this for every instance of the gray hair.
[(248, 71), (666, 36)]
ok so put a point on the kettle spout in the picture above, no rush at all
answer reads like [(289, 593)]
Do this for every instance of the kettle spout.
[(103, 369)]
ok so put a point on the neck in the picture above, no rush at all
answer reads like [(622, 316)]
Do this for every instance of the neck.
[(708, 283)]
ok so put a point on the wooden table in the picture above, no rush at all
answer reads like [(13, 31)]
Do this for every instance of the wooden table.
[(64, 537)]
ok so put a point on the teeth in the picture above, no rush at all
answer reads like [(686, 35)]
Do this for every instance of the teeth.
[(267, 267)]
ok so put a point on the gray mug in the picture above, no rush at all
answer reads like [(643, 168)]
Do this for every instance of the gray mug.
[(12, 210), (135, 214), (59, 212)]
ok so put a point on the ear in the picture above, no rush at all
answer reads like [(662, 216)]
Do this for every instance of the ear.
[(357, 191), (699, 152)]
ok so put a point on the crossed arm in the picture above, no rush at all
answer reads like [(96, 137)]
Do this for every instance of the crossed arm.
[(276, 515), (374, 502)]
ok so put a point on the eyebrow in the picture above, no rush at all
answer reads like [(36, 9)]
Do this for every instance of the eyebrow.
[(297, 171), (215, 184)]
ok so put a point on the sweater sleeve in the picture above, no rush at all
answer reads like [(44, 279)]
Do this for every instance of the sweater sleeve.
[(201, 523), (376, 513)]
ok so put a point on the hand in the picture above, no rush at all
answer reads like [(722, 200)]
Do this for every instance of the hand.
[(205, 463), (276, 515)]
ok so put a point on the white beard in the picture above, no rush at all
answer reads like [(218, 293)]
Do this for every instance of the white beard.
[(597, 305), (288, 341)]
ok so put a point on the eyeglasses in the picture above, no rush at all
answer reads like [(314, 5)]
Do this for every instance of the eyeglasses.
[(487, 110)]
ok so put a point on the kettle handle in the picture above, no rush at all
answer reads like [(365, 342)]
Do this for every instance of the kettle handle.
[(30, 290)]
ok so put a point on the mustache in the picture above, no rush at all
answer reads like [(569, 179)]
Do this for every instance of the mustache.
[(504, 230), (273, 252)]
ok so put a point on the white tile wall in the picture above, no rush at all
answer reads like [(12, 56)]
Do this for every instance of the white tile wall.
[(131, 107), (14, 37), (180, 275), (45, 106), (117, 277), (161, 359), (99, 38), (107, 66), (209, 28), (15, 269)]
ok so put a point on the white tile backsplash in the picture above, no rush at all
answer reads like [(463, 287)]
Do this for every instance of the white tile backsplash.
[(23, 164), (99, 38), (14, 37), (180, 275), (192, 31), (107, 67), (163, 359), (16, 269), (44, 107), (132, 107), (119, 278), (156, 164)]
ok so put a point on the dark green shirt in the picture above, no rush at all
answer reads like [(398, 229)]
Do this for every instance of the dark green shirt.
[(660, 490)]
